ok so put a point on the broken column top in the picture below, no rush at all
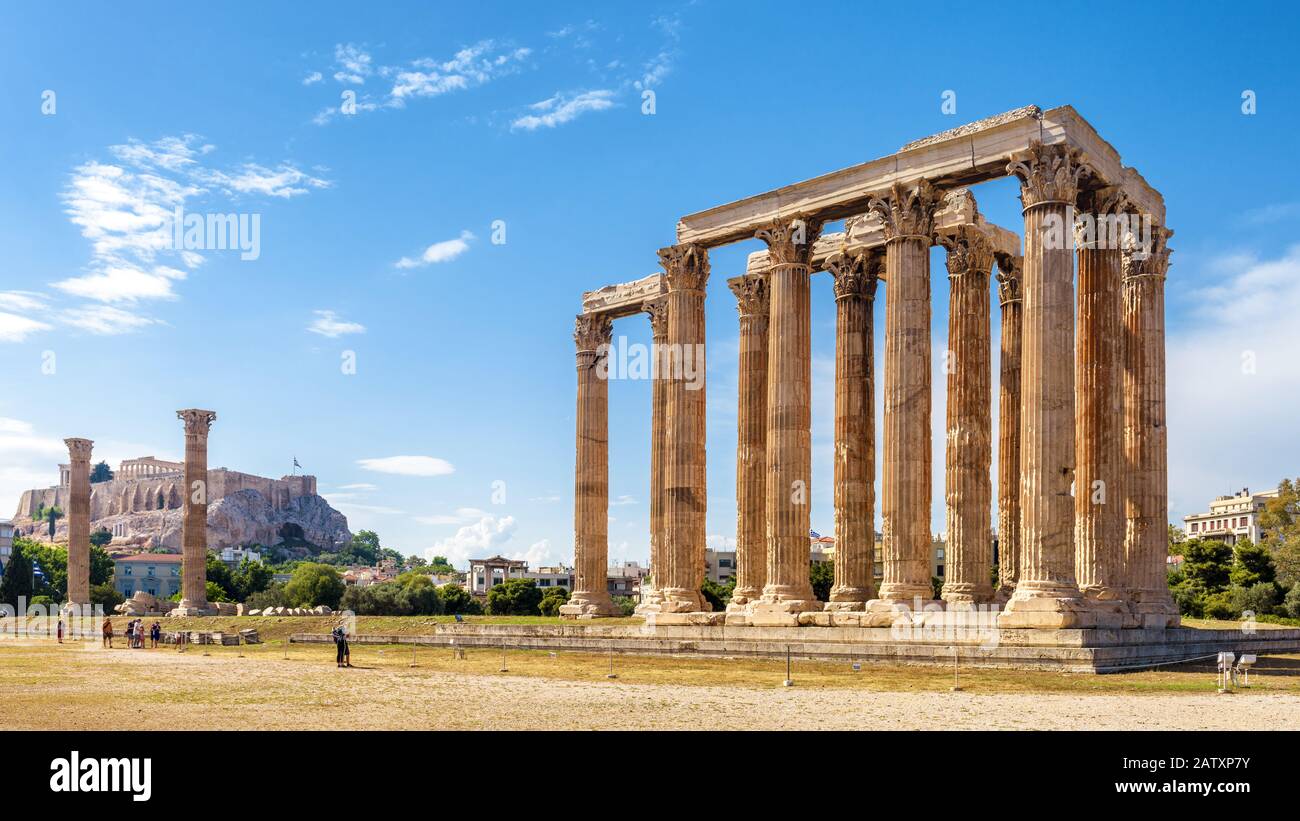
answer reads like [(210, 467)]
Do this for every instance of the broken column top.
[(624, 299)]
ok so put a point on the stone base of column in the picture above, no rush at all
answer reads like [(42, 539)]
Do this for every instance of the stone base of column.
[(589, 607), (651, 601), (847, 605), (1051, 607), (1154, 608), (965, 593), (773, 612), (185, 610), (893, 608), (681, 600)]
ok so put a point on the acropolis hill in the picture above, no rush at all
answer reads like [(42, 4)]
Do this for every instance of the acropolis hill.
[(141, 507)]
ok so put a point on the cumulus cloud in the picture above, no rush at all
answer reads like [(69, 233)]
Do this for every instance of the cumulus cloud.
[(408, 465), (327, 323), (352, 64), (563, 107), (484, 537), (444, 251)]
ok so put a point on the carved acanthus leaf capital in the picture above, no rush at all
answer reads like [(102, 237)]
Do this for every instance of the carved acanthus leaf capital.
[(657, 311), (1049, 173), (790, 239), (1148, 257), (970, 251), (686, 266), (197, 421), (1102, 218), (908, 213), (856, 274), (590, 331), (79, 449), (1009, 271), (752, 294)]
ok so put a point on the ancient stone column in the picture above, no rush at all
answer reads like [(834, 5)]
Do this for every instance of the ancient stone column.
[(788, 589), (79, 521), (1046, 593), (752, 303), (1009, 427), (685, 491), (657, 311), (590, 596), (194, 516), (1098, 480), (855, 276), (969, 446), (908, 218), (1145, 437)]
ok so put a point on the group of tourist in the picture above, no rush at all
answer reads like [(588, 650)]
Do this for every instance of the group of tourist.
[(136, 634)]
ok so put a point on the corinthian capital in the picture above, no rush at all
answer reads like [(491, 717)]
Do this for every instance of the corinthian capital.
[(970, 251), (790, 239), (79, 449), (856, 274), (657, 310), (686, 266), (908, 213), (752, 294), (1149, 258), (197, 421), (590, 331), (1048, 173)]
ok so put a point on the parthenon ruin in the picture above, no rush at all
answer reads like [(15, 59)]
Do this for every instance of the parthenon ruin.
[(1081, 497)]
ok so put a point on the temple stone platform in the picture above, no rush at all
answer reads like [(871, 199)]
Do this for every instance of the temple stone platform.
[(1081, 651)]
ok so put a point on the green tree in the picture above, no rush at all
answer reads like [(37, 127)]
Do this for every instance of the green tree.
[(439, 566), (101, 566), (822, 576), (718, 595), (314, 584), (52, 514), (100, 537), (249, 578), (1260, 599), (218, 574), (456, 600), (1208, 561), (626, 605), (17, 579), (272, 596), (514, 597), (1251, 564), (101, 473), (552, 600), (363, 549), (106, 596), (216, 592), (1176, 538), (1189, 595)]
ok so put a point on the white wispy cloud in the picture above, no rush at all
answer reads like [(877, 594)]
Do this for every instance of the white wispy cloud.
[(444, 251), (352, 64), (312, 78), (486, 535), (461, 516), (562, 108), (408, 465), (21, 301), (16, 328), (327, 323), (105, 320)]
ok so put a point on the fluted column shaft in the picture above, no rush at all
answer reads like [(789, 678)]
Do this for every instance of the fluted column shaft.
[(194, 515), (789, 417), (856, 277), (657, 310), (79, 451), (1009, 428), (1098, 481), (752, 303), (968, 492), (685, 490), (1146, 438), (590, 596)]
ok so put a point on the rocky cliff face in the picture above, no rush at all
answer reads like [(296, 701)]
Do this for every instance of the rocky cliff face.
[(240, 518)]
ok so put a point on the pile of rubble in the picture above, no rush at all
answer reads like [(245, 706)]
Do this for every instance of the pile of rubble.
[(321, 610), (204, 637), (145, 604)]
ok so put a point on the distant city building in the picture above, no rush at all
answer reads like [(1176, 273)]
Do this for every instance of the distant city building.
[(551, 577), (719, 565), (1231, 517), (158, 574), (624, 579), (822, 549), (484, 574), (6, 541), (234, 556)]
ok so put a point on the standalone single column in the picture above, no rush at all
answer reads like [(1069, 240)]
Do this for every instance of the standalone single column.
[(79, 521), (1046, 593), (1099, 480), (856, 276), (752, 302), (1145, 438), (788, 589), (969, 445), (657, 310), (908, 218), (591, 473), (685, 490), (194, 517), (1009, 427)]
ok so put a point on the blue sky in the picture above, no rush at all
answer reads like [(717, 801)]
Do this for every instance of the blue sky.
[(376, 227)]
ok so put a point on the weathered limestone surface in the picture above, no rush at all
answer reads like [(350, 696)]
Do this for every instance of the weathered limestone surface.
[(908, 216), (969, 447), (1046, 592), (685, 489), (590, 596), (1099, 480), (1009, 426), (625, 298), (856, 276), (79, 451), (753, 303), (1145, 436), (789, 421), (194, 535), (657, 310)]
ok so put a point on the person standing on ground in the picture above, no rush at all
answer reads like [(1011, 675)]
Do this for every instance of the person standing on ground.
[(342, 656), (108, 632), (155, 633)]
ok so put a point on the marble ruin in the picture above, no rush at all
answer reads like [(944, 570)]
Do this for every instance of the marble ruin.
[(1081, 497)]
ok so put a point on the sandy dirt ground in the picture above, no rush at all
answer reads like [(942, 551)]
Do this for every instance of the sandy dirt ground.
[(72, 688)]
